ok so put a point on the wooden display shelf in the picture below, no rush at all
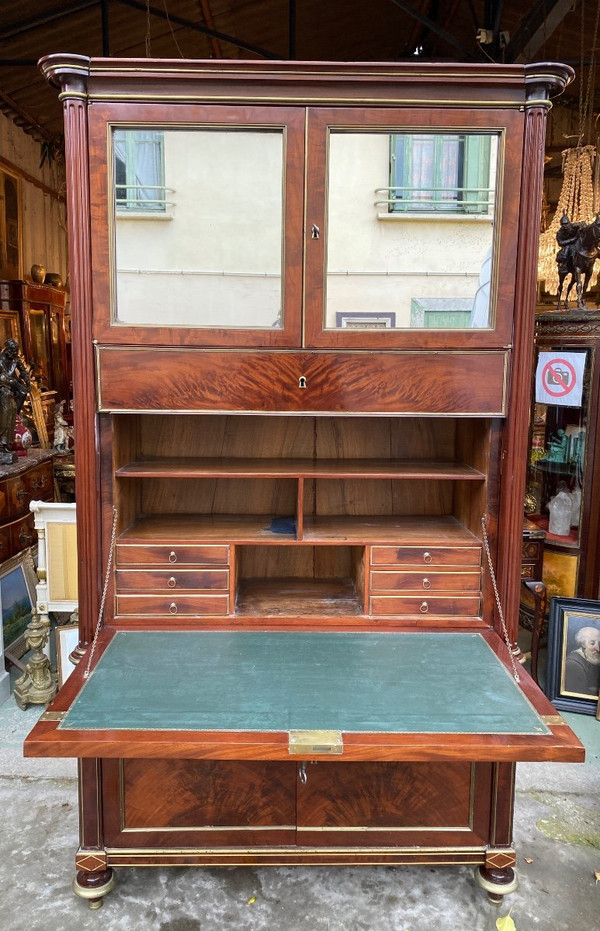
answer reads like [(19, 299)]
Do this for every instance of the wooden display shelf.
[(184, 467), (364, 529)]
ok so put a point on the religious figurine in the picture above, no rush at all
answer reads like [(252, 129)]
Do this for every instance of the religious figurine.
[(558, 447), (14, 388), (63, 433)]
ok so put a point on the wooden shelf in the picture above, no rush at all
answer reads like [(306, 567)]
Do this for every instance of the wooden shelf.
[(297, 598), (195, 528), (184, 467)]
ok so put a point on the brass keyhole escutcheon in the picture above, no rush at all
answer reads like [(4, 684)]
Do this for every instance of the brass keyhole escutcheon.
[(172, 582), (302, 381)]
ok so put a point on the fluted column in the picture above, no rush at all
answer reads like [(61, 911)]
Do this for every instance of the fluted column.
[(70, 74), (542, 81)]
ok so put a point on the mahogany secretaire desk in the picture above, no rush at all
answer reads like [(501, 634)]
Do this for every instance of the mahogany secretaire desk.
[(303, 316)]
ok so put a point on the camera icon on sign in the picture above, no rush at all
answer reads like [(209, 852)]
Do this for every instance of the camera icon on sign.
[(558, 376)]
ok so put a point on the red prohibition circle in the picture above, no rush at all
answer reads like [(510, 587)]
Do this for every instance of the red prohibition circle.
[(559, 387)]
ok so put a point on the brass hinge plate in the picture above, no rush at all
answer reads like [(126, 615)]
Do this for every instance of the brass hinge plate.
[(553, 720), (52, 715), (308, 742)]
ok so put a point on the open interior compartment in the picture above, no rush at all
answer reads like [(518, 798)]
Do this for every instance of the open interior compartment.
[(310, 479), (289, 581)]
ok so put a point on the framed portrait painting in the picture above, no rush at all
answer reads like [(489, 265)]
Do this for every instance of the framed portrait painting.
[(573, 669)]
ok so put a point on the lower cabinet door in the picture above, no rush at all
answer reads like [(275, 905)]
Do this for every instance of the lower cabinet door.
[(198, 803), (167, 804), (395, 804)]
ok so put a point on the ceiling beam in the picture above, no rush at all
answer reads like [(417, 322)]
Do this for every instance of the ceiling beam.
[(433, 26), (214, 43), (27, 25), (104, 4), (536, 27), (21, 118), (196, 27)]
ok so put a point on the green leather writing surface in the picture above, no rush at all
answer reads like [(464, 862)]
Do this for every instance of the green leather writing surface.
[(280, 681)]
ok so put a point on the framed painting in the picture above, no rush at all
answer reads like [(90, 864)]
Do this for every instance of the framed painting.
[(17, 587), (573, 669), (10, 225), (10, 327)]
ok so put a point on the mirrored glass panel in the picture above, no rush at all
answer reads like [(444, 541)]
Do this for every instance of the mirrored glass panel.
[(198, 227), (410, 220)]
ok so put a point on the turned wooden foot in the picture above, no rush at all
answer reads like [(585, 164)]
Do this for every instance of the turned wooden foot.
[(496, 882), (94, 886)]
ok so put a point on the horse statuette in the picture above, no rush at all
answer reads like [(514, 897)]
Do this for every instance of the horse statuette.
[(579, 248)]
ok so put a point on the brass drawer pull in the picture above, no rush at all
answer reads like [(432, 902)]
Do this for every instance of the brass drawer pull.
[(424, 608), (427, 557), (172, 582), (426, 583), (172, 556), (172, 608)]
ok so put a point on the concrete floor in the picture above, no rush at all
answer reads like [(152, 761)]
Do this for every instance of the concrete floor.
[(557, 837)]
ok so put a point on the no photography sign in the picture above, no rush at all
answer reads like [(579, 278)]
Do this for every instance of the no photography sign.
[(559, 378)]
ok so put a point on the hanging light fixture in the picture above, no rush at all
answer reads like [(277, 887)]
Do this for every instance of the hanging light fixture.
[(577, 196), (576, 200)]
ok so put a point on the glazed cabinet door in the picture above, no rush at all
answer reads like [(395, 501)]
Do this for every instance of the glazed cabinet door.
[(408, 238), (413, 215), (203, 210)]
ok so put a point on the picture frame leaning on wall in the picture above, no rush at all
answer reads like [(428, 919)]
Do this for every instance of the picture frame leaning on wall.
[(573, 664)]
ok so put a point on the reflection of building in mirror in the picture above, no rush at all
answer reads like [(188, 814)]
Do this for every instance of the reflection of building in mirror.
[(422, 248), (201, 207)]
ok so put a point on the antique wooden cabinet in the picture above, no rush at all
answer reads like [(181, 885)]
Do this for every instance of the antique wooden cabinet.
[(43, 326), (28, 478), (565, 408), (302, 352)]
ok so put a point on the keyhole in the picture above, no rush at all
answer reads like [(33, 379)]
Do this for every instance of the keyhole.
[(302, 381), (315, 232)]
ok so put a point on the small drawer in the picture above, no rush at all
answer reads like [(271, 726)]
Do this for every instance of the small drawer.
[(436, 606), (390, 581), (171, 555), (425, 556), (164, 580), (23, 533), (40, 482), (18, 494), (180, 605)]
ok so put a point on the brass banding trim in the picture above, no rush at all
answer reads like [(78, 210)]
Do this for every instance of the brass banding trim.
[(303, 100)]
